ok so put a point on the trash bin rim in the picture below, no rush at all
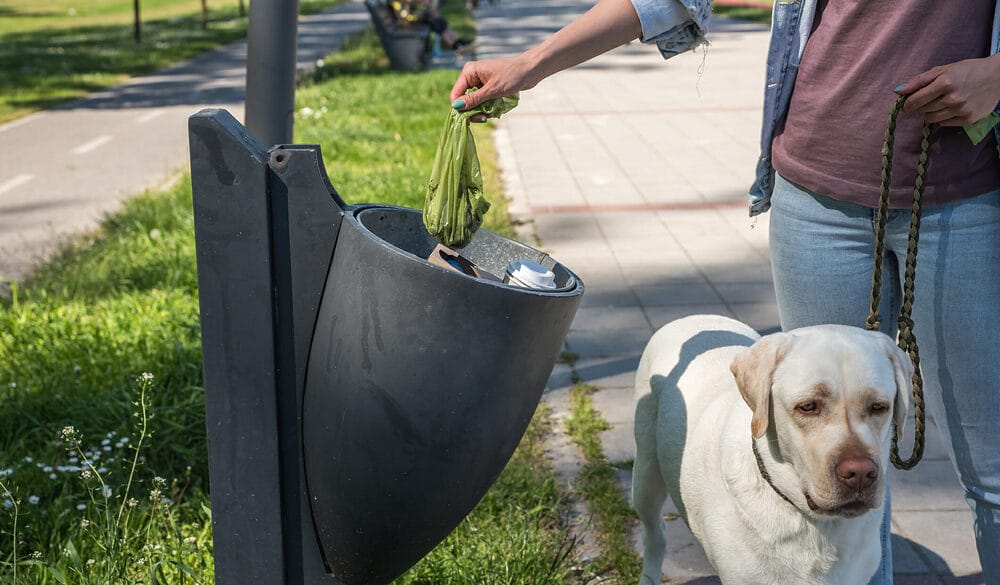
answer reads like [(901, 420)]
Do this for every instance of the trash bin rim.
[(352, 213)]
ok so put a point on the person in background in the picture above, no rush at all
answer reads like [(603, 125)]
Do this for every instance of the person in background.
[(834, 70), (426, 12)]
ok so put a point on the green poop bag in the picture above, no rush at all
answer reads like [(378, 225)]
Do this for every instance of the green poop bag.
[(454, 206)]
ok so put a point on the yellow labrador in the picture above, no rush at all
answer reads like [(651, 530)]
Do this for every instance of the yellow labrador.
[(774, 449)]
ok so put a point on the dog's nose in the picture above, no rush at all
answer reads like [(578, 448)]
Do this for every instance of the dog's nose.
[(857, 472)]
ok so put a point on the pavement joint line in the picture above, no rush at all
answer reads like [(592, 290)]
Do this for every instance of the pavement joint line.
[(14, 182), (93, 144)]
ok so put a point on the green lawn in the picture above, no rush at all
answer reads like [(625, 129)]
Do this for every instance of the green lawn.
[(54, 51), (105, 339), (758, 14)]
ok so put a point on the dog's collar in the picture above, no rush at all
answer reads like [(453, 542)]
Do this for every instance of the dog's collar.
[(765, 474)]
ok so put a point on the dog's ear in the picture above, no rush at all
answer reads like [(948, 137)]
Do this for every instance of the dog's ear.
[(754, 372), (903, 368)]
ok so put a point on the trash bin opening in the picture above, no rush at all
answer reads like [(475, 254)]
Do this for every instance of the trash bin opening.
[(403, 228)]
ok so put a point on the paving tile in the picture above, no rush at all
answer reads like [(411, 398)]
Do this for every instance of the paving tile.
[(617, 372), (561, 377), (608, 296), (615, 405), (905, 560), (750, 272), (661, 315), (747, 292), (930, 486), (618, 443), (594, 344), (609, 319), (695, 293), (943, 539), (657, 275), (761, 316)]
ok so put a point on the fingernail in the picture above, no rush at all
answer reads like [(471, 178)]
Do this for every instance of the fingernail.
[(458, 104), (899, 87), (483, 121)]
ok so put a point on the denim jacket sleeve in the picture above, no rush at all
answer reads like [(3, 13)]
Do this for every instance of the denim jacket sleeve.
[(675, 26)]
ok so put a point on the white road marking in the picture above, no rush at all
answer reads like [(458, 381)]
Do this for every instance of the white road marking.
[(88, 146), (149, 116), (21, 121), (15, 182)]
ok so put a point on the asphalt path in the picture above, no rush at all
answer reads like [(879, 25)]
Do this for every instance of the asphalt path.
[(64, 169)]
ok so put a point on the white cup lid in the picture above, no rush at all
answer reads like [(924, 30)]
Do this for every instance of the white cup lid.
[(532, 274)]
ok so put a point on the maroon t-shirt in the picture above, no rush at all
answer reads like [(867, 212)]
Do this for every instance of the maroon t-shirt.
[(859, 50)]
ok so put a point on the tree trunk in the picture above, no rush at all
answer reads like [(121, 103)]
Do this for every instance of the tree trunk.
[(204, 14), (243, 9)]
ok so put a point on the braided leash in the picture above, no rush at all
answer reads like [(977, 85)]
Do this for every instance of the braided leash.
[(907, 339)]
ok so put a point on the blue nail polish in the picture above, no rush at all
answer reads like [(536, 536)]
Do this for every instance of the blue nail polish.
[(458, 104), (899, 87)]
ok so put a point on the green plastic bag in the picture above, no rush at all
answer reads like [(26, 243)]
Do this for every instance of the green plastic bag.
[(454, 206)]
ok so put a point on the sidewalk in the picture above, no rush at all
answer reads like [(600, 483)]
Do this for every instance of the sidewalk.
[(633, 171), (67, 166)]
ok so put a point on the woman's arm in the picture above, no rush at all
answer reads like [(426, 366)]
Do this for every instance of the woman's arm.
[(609, 24)]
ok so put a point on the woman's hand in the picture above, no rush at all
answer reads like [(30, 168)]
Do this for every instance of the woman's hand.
[(495, 78), (957, 94)]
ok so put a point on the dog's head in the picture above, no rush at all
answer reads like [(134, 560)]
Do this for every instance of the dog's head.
[(827, 395)]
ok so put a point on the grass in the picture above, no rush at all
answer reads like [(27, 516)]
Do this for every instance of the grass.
[(56, 51), (598, 484), (756, 14), (103, 472)]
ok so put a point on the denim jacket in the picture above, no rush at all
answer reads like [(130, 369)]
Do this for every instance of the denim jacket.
[(791, 25)]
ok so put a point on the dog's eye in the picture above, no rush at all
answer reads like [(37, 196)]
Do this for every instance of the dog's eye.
[(880, 407), (807, 408)]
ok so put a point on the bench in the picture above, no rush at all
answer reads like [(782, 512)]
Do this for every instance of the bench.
[(406, 46)]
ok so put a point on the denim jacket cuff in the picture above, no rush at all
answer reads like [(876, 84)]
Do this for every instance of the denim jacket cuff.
[(674, 26)]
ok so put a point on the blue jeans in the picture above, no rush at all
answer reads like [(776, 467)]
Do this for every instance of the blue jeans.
[(821, 256)]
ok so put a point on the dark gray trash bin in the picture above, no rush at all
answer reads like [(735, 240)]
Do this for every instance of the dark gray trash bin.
[(360, 400)]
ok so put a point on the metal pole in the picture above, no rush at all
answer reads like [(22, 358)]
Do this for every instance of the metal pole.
[(270, 95)]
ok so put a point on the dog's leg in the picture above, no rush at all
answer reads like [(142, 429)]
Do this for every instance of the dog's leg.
[(649, 492)]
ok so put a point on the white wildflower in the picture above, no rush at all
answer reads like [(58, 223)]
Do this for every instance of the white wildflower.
[(82, 507), (33, 500)]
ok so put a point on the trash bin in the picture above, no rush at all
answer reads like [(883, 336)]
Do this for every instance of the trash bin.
[(391, 392)]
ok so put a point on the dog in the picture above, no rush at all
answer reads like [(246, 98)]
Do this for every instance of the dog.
[(774, 449)]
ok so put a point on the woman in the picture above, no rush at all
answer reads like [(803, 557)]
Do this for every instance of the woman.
[(832, 68)]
